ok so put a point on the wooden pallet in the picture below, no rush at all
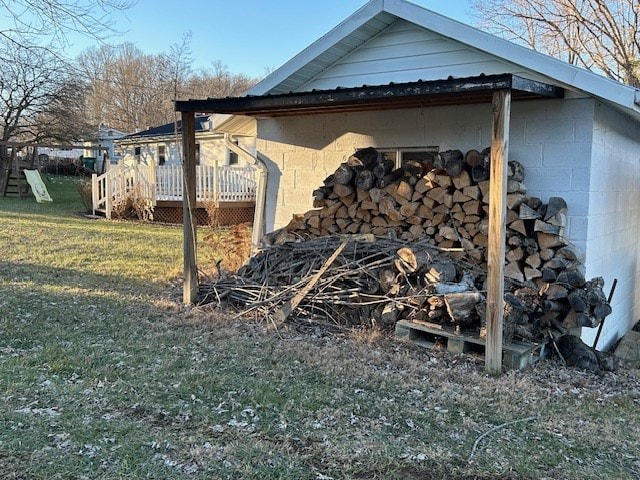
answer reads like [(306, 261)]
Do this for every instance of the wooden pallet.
[(516, 355)]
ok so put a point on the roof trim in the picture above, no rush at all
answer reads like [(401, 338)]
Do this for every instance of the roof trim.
[(452, 91), (622, 97)]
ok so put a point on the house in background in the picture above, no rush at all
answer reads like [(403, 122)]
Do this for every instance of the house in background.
[(150, 166), (94, 146), (162, 145), (401, 78)]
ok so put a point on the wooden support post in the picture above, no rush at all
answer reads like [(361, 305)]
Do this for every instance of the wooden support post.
[(190, 290), (95, 193), (153, 180), (497, 229)]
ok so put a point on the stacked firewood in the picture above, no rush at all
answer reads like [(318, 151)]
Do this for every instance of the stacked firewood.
[(438, 206)]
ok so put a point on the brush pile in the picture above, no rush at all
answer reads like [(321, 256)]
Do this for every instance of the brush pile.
[(412, 246)]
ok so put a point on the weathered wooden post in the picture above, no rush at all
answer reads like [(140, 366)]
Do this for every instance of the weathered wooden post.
[(190, 290), (501, 113)]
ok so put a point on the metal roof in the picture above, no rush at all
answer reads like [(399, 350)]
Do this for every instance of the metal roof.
[(452, 91)]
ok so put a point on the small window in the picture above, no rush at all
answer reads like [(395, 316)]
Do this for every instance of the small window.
[(402, 155), (161, 155), (136, 153), (233, 156)]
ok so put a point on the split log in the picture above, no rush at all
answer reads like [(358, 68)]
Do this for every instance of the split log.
[(462, 306), (406, 261), (365, 180), (556, 205), (479, 173), (367, 156), (382, 167), (473, 158), (342, 190), (440, 272), (390, 178), (515, 171)]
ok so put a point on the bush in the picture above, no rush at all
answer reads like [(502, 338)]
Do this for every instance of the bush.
[(83, 184), (133, 205)]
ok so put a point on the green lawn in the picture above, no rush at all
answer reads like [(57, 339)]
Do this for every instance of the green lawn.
[(104, 375)]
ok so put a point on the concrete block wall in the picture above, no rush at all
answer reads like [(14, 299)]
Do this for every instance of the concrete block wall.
[(614, 218), (547, 137), (552, 139)]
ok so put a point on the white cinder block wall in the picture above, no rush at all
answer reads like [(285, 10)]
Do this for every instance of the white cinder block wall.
[(553, 139), (614, 218)]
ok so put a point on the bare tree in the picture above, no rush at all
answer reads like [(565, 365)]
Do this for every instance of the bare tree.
[(29, 81), (217, 82), (131, 91), (600, 35), (64, 119), (127, 88), (46, 23)]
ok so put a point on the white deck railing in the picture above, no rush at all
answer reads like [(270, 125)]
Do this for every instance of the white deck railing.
[(165, 183), (222, 184)]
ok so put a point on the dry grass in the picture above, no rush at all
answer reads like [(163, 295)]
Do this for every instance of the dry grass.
[(104, 375), (227, 248), (133, 205)]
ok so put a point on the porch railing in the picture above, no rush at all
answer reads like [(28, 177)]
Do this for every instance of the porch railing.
[(222, 184), (165, 183)]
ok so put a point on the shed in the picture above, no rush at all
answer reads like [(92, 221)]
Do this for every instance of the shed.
[(399, 77)]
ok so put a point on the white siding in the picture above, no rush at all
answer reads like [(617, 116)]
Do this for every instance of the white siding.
[(211, 150), (405, 52)]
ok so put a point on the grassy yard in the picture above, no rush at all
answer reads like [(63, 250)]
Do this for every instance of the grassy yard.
[(103, 375)]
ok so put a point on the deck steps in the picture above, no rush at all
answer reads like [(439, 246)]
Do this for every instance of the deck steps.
[(515, 355)]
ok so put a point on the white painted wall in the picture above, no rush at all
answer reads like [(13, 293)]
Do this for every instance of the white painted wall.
[(596, 171), (614, 218)]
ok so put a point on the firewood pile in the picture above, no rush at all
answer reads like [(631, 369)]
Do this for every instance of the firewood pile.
[(414, 243)]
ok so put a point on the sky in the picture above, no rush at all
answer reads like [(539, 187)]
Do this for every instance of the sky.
[(249, 37)]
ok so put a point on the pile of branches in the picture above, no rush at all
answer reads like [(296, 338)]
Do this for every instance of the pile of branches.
[(362, 280), (369, 279)]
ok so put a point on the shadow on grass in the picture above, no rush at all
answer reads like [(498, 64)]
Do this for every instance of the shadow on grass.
[(44, 278)]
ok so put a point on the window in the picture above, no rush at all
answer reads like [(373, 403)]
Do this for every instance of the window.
[(233, 156), (136, 153), (402, 155), (161, 154)]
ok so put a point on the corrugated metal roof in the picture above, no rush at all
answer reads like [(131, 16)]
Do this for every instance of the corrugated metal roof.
[(452, 91)]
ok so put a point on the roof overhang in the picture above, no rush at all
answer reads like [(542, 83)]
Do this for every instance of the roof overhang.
[(452, 91)]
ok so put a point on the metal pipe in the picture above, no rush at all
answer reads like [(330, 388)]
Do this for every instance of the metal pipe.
[(261, 192), (613, 289)]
